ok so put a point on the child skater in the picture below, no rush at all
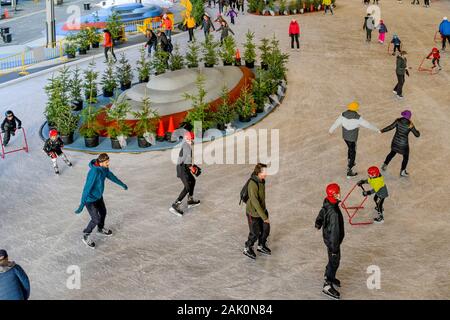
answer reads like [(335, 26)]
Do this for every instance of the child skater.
[(436, 57), (382, 32), (397, 43), (376, 181), (53, 148), (232, 14)]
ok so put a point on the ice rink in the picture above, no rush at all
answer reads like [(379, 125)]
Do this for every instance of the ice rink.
[(156, 255)]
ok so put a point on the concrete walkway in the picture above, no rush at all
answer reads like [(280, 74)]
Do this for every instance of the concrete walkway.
[(155, 255)]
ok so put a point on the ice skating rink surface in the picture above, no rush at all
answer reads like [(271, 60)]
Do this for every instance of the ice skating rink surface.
[(156, 255)]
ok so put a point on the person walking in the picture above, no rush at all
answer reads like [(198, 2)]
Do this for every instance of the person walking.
[(294, 33), (92, 197), (109, 45), (167, 25), (444, 30), (369, 25), (189, 21), (327, 6), (207, 25), (225, 31), (382, 30), (186, 169), (350, 121), (240, 6), (400, 143), (14, 282), (331, 221), (152, 41), (257, 214), (400, 70), (9, 126)]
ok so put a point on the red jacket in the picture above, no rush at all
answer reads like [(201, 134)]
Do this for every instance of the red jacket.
[(435, 54), (108, 40), (294, 28), (167, 24)]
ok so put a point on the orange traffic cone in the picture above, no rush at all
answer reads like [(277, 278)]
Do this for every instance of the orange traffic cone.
[(160, 134), (6, 14), (237, 58), (170, 130)]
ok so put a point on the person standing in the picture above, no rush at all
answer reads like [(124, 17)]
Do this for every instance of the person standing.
[(257, 214), (400, 70), (109, 45), (382, 30), (400, 143), (167, 25), (327, 6), (350, 121), (225, 30), (9, 126), (14, 282), (152, 41), (92, 197), (369, 25), (294, 33), (444, 30), (240, 6), (189, 21), (186, 169), (207, 25), (331, 221)]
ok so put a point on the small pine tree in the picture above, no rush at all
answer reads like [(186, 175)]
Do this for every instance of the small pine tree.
[(108, 81), (176, 59), (193, 54), (210, 50), (75, 86), (200, 108), (159, 63), (249, 47), (124, 73), (143, 67)]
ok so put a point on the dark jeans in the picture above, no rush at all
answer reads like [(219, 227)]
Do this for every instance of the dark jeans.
[(188, 182), (434, 62), (328, 8), (396, 48), (399, 86), (168, 34), (7, 135), (112, 52), (392, 154), (351, 153), (333, 265), (379, 202), (149, 48), (258, 231), (368, 34), (191, 33), (232, 20), (240, 7), (97, 211), (427, 2), (414, 1), (294, 36), (206, 32), (444, 40)]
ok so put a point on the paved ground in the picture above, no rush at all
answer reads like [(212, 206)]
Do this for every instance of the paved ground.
[(155, 255)]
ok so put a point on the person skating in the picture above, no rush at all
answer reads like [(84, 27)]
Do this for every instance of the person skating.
[(225, 31), (350, 121), (369, 25), (53, 148), (294, 33), (207, 25), (436, 58), (256, 212), (400, 70), (14, 282), (397, 44), (9, 126), (232, 14), (240, 6), (327, 6), (92, 197), (382, 30), (400, 142), (186, 169), (444, 30), (376, 181), (331, 221), (109, 45)]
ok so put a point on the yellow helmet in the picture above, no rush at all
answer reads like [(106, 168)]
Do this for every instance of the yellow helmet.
[(353, 106)]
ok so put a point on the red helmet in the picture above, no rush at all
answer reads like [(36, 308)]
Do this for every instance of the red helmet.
[(333, 189), (53, 133), (189, 135), (435, 49), (373, 171)]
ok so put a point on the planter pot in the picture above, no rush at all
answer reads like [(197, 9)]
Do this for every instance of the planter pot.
[(107, 93), (168, 137), (227, 63), (125, 86), (77, 105), (237, 62), (245, 119), (94, 95), (260, 109), (158, 73), (264, 66), (115, 143), (142, 143), (221, 126), (67, 139), (82, 51), (91, 142), (254, 114), (96, 45), (208, 65), (144, 80), (250, 65), (160, 139), (189, 66), (70, 56)]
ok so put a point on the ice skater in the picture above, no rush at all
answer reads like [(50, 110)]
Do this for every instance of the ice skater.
[(331, 221), (444, 30), (436, 58), (382, 30), (327, 5), (376, 181), (53, 148), (400, 70), (400, 143), (369, 25), (397, 44), (186, 170), (9, 126), (14, 282), (350, 121), (92, 197), (232, 14)]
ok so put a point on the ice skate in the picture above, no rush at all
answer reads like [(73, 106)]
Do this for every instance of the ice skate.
[(351, 173), (105, 232), (404, 173), (264, 250), (56, 169), (384, 167), (330, 291), (250, 253), (87, 241), (379, 219), (176, 209), (192, 202), (335, 282)]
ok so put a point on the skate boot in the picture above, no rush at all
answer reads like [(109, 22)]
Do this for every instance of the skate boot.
[(87, 241), (105, 232), (351, 173), (379, 219), (264, 250), (335, 282), (68, 162), (384, 167), (330, 291), (248, 251), (56, 169), (192, 202), (404, 173), (176, 209)]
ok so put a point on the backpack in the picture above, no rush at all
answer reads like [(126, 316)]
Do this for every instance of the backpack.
[(244, 191)]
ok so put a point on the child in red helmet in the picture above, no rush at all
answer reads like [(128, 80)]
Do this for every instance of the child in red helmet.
[(331, 221), (53, 148), (376, 181), (436, 57)]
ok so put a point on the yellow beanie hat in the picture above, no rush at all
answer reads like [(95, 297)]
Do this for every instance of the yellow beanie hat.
[(354, 106)]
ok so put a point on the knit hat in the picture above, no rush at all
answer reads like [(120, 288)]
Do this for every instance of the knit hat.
[(406, 114), (3, 254), (353, 106)]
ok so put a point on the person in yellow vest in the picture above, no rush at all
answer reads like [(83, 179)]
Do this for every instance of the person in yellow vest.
[(189, 21), (376, 181)]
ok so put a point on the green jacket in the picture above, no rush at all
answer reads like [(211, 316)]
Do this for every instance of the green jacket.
[(256, 204), (401, 65)]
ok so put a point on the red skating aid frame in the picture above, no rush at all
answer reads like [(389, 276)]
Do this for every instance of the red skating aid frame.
[(437, 39), (430, 70), (356, 209), (25, 147)]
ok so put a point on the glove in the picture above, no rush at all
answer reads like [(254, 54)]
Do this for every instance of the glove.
[(365, 193), (360, 183), (125, 187), (80, 209)]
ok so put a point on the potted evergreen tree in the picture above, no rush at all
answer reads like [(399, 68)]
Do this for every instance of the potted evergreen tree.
[(143, 67), (210, 51), (124, 73), (200, 108), (260, 89), (228, 50), (75, 90), (90, 128), (108, 82), (225, 112), (265, 52), (90, 83), (55, 94), (83, 41), (70, 47), (176, 59), (115, 26), (94, 37), (192, 54), (119, 131), (160, 61), (249, 50), (147, 120), (66, 123), (283, 10), (244, 105), (292, 7)]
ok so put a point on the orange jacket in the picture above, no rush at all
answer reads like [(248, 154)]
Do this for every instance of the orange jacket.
[(108, 40), (167, 24)]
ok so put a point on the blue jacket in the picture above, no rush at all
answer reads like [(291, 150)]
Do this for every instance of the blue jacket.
[(382, 28), (396, 41), (95, 184), (444, 28), (14, 283)]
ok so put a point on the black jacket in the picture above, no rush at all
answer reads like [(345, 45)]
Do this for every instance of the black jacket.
[(164, 42), (11, 124), (331, 221), (400, 142), (152, 40), (53, 146)]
